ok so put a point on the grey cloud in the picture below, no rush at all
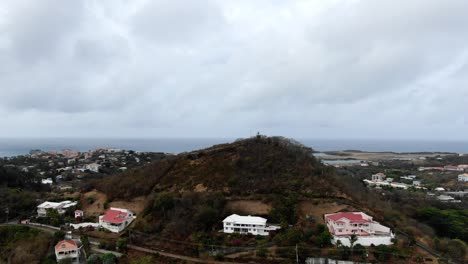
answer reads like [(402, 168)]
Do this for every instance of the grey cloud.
[(210, 68)]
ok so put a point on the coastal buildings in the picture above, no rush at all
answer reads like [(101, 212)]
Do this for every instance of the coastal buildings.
[(369, 232), (60, 207), (70, 250), (380, 180), (247, 225), (116, 219)]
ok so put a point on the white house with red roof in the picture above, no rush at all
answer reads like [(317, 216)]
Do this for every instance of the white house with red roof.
[(79, 214), (116, 219), (342, 225), (69, 249)]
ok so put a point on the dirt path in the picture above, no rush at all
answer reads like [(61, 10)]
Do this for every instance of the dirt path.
[(181, 257)]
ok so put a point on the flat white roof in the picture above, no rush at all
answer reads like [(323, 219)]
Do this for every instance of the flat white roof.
[(64, 204), (250, 220)]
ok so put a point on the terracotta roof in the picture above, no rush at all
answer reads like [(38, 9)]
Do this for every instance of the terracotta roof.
[(115, 217), (352, 217), (66, 245)]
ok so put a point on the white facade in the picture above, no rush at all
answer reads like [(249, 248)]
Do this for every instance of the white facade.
[(116, 219), (79, 213), (463, 177), (247, 225), (68, 249), (47, 181), (94, 167), (343, 225), (60, 207), (378, 177)]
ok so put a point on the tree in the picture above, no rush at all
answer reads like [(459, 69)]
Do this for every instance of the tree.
[(122, 244), (164, 202), (85, 241), (360, 250), (324, 239), (58, 235), (457, 249), (109, 258), (54, 217), (205, 218), (352, 239)]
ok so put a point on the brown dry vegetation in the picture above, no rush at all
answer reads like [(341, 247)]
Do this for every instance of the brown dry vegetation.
[(23, 245), (253, 207), (97, 207), (258, 165), (317, 209)]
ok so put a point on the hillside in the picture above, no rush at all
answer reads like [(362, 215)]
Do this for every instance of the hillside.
[(259, 165), (182, 200)]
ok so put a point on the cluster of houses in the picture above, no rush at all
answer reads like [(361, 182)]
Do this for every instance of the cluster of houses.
[(115, 219), (462, 167), (58, 169), (342, 226), (380, 179)]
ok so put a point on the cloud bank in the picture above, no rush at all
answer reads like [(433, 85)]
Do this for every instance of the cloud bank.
[(333, 69)]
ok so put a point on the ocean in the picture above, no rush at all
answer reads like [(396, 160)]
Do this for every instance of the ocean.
[(21, 146)]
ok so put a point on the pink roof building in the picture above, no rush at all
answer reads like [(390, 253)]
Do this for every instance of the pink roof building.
[(344, 224), (116, 219)]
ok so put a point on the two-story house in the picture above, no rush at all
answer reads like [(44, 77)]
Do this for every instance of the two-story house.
[(247, 225), (60, 207), (343, 225), (69, 249)]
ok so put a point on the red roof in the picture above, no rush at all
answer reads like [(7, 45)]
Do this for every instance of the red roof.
[(352, 217), (66, 245), (115, 217)]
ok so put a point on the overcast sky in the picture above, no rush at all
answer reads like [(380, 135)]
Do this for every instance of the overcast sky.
[(304, 69)]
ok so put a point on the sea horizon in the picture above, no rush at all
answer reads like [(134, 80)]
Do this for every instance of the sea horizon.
[(20, 146)]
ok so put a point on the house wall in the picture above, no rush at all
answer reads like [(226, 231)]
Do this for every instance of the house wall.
[(66, 255), (346, 227), (462, 178), (365, 241), (230, 228)]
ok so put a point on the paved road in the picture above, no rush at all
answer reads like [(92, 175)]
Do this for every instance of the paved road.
[(170, 255), (103, 251)]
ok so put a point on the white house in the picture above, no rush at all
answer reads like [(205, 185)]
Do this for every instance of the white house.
[(47, 181), (69, 249), (247, 225), (342, 225), (378, 177), (94, 167), (79, 214), (463, 177), (116, 219), (60, 207)]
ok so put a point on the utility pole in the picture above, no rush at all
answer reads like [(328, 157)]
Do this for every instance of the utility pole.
[(297, 256)]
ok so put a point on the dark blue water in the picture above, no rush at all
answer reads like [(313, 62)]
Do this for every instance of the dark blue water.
[(14, 147)]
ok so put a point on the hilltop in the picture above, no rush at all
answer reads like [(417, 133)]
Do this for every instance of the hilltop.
[(259, 165)]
